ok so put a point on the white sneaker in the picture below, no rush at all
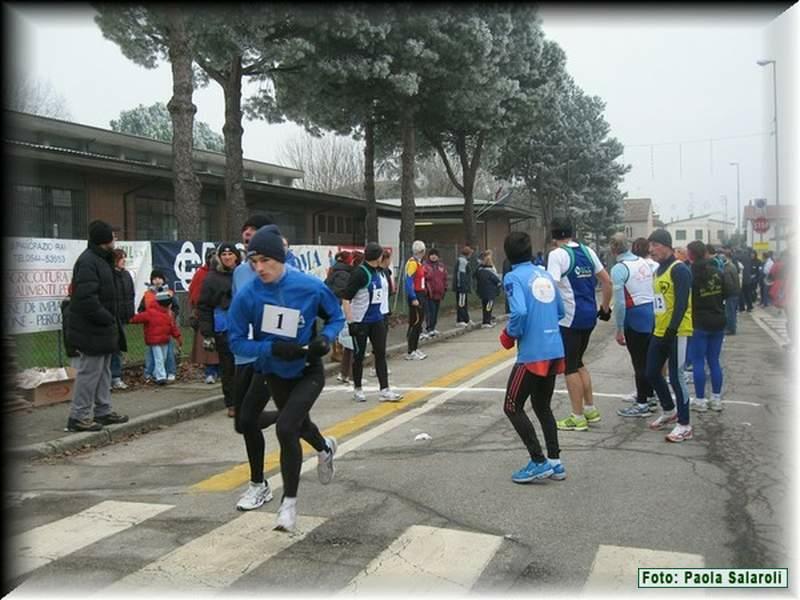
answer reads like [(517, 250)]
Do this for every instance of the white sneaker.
[(359, 396), (342, 379), (462, 324), (420, 355), (119, 385), (436, 332), (716, 403), (698, 404), (387, 395), (170, 378), (287, 515), (424, 336), (210, 379), (325, 467), (632, 397), (256, 495)]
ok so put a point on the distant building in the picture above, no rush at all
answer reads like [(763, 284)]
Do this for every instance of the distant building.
[(638, 217), (705, 228)]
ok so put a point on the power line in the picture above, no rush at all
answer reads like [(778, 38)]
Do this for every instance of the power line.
[(700, 141)]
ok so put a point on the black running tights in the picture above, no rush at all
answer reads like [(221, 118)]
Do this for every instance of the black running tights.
[(521, 384)]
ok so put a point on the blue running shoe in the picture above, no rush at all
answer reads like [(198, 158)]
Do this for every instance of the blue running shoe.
[(559, 472), (533, 471)]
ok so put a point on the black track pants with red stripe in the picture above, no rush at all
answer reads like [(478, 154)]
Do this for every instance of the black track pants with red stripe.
[(521, 384)]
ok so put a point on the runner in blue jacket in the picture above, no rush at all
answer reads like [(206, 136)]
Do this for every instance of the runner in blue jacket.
[(536, 307), (282, 305)]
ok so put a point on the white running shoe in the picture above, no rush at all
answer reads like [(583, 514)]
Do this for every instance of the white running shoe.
[(387, 395), (462, 324), (342, 379), (325, 467), (424, 336), (287, 515), (420, 355), (716, 403), (632, 397), (698, 404), (210, 379), (486, 326), (171, 378), (680, 433), (256, 495), (436, 332), (118, 384), (359, 396)]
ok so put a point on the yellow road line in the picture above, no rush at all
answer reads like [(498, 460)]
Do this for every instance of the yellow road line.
[(240, 474)]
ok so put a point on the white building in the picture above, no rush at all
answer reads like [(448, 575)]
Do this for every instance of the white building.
[(709, 229)]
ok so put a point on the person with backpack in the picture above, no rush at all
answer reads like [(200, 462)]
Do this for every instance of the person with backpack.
[(708, 323), (576, 268), (337, 279), (362, 301), (212, 307), (436, 280), (488, 287)]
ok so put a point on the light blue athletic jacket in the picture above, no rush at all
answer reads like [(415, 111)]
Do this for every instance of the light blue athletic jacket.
[(294, 290), (536, 307)]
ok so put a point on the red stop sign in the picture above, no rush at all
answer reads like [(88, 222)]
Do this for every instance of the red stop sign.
[(760, 224)]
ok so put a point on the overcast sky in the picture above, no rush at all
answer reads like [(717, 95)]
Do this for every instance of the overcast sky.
[(667, 77)]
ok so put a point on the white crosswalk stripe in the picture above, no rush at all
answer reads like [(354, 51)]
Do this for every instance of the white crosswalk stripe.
[(217, 559), (42, 545), (425, 560), (615, 568)]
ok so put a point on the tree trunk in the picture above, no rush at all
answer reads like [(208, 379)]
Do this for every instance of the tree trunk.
[(407, 206), (369, 181), (181, 109), (470, 224), (233, 131)]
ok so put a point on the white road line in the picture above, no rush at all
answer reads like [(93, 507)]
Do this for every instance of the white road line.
[(42, 545), (217, 559), (614, 568), (775, 338), (425, 560), (276, 481)]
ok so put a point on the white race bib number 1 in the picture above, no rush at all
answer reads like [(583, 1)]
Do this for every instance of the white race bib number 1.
[(659, 304), (280, 320)]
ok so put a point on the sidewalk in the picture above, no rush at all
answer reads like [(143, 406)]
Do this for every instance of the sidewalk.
[(40, 431)]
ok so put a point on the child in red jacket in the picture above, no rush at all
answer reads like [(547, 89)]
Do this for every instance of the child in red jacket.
[(159, 327)]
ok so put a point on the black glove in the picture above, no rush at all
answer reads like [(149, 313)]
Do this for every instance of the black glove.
[(209, 344), (669, 335), (319, 346), (287, 350), (602, 315)]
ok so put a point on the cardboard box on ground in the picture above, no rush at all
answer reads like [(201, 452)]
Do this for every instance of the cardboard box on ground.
[(50, 386)]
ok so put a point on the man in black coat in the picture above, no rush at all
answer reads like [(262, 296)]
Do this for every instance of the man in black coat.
[(95, 331)]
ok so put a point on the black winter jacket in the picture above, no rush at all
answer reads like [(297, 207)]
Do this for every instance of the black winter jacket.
[(709, 291), (216, 293), (338, 277), (126, 295), (488, 283), (93, 325)]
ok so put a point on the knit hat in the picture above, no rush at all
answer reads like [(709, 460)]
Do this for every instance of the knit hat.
[(100, 232), (257, 222), (227, 247), (373, 251), (561, 228), (267, 242), (661, 236)]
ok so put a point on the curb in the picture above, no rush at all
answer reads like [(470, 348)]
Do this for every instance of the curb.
[(182, 412)]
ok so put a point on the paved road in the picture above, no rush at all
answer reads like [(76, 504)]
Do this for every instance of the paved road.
[(439, 515)]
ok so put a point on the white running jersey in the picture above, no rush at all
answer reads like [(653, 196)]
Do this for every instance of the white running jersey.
[(558, 264), (639, 284)]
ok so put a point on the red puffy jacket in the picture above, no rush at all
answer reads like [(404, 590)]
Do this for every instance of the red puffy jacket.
[(435, 279), (196, 285), (159, 325)]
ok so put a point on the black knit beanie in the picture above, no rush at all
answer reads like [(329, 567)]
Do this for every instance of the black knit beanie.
[(661, 236), (267, 242), (373, 251)]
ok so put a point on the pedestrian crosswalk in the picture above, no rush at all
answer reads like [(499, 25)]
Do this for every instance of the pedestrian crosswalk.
[(421, 559)]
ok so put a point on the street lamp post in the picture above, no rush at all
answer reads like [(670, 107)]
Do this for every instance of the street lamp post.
[(738, 199), (764, 63)]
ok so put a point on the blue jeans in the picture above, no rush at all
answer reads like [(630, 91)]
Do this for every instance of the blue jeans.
[(212, 370), (170, 364), (432, 314), (116, 366), (707, 346), (659, 352), (159, 354), (731, 308)]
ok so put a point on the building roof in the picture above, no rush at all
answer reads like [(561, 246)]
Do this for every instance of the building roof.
[(448, 204), (636, 209), (707, 217), (46, 130)]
